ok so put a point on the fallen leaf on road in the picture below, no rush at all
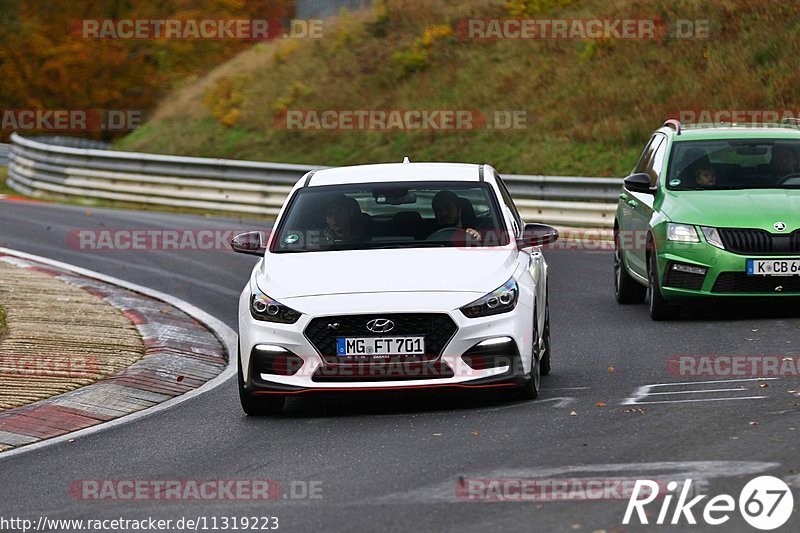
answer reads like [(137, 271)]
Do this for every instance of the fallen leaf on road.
[(179, 379), (600, 404), (476, 433), (611, 369)]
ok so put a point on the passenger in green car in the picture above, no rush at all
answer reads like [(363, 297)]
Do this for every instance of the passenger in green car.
[(705, 176)]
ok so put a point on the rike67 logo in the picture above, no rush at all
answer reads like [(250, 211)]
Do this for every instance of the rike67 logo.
[(765, 503)]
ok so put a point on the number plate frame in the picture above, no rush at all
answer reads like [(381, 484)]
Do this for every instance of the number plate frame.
[(773, 267)]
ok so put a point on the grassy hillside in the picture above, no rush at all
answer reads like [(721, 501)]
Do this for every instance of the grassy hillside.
[(590, 103)]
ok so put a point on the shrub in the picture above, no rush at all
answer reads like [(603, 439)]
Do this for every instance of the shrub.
[(224, 98)]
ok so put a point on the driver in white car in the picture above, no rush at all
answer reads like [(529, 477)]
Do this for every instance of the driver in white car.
[(449, 213)]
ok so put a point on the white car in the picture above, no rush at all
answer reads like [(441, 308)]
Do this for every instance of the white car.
[(394, 276)]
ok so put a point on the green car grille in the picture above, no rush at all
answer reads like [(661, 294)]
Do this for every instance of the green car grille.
[(759, 242), (740, 282)]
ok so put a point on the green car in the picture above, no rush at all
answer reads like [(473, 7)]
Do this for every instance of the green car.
[(710, 212)]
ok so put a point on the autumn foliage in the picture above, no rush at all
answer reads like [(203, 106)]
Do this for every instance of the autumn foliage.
[(45, 64)]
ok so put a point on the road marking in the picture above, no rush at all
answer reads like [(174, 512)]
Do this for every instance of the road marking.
[(696, 391), (224, 333), (702, 400), (646, 391), (563, 401)]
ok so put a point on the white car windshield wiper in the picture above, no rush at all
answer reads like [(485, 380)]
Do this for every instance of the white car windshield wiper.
[(408, 244)]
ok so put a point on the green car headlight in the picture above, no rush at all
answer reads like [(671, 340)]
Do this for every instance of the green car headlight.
[(682, 233), (712, 237)]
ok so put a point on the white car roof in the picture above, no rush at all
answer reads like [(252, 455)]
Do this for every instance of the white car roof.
[(389, 172)]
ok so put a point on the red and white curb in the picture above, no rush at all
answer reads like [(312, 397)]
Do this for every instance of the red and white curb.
[(21, 199), (186, 353)]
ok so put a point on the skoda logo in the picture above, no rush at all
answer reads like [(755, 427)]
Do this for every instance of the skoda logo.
[(780, 226), (380, 325)]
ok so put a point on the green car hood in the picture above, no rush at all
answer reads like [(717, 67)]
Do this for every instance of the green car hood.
[(750, 208)]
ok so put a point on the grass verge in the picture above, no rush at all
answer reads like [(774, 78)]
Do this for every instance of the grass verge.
[(590, 104), (3, 324)]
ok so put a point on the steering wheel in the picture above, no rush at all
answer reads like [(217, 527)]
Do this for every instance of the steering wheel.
[(446, 234), (787, 177)]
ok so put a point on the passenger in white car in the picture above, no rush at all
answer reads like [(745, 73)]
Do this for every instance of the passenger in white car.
[(345, 221)]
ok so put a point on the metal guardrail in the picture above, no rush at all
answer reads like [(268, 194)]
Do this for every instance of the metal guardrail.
[(73, 142), (39, 168), (5, 150)]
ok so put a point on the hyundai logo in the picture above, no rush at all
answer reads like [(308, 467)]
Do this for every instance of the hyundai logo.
[(380, 325), (780, 226)]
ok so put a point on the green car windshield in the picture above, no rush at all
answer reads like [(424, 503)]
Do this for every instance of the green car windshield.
[(734, 164)]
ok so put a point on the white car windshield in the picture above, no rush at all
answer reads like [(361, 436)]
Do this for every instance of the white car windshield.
[(391, 215)]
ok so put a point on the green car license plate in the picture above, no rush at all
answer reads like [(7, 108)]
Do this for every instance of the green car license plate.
[(773, 267)]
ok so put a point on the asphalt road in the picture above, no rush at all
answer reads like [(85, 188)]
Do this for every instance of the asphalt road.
[(393, 463)]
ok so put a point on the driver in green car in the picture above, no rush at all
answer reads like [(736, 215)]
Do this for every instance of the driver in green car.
[(784, 161), (449, 213)]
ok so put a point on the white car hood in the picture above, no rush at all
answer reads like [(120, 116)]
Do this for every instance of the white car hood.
[(293, 275)]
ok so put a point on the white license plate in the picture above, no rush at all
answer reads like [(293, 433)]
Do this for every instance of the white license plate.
[(773, 267), (372, 346)]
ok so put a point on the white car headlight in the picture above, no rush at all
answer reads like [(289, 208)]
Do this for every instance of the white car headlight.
[(501, 300), (262, 307), (682, 233), (712, 237)]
